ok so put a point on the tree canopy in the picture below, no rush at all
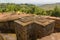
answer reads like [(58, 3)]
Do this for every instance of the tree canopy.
[(29, 8)]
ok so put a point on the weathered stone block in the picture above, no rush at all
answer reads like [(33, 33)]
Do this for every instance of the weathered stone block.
[(31, 28)]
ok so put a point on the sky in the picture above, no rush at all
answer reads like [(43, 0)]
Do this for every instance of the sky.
[(30, 1)]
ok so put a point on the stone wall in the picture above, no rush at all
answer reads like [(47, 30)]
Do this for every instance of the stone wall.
[(57, 20), (33, 31), (21, 32)]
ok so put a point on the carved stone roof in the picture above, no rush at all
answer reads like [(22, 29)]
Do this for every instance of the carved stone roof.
[(34, 19)]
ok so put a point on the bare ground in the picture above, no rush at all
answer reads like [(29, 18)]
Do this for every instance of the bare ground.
[(53, 36)]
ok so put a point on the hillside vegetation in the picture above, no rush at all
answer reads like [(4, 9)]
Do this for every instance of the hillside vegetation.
[(30, 9), (27, 8), (50, 6)]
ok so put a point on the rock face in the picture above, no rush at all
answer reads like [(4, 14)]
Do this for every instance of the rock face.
[(7, 21), (33, 27), (57, 23), (28, 27), (7, 27)]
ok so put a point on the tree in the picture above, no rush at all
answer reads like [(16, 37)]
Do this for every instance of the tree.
[(56, 12), (49, 12)]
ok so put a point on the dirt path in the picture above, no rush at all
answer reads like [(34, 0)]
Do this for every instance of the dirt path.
[(9, 36), (53, 36)]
